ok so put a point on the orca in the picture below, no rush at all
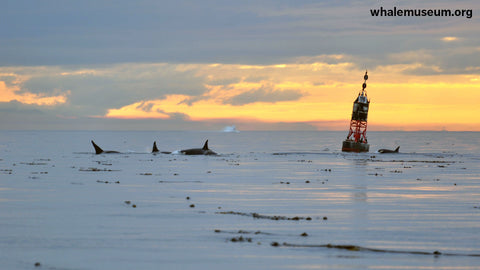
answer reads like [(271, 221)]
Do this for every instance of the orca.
[(155, 149), (99, 150), (384, 151), (199, 151)]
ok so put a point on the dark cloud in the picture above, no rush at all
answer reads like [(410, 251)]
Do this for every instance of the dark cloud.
[(263, 95), (178, 116), (224, 81), (50, 32), (8, 79), (18, 116), (190, 100), (8, 109), (92, 32), (451, 59), (145, 106)]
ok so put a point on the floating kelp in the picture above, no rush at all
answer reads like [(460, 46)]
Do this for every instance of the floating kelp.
[(92, 169), (108, 182), (241, 239), (259, 216), (186, 181), (6, 171), (357, 248), (242, 232), (413, 161), (33, 163)]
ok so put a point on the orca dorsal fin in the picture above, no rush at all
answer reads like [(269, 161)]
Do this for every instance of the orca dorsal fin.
[(205, 146), (98, 150), (155, 149), (396, 149)]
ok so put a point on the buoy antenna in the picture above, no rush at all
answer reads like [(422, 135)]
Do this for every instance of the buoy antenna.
[(365, 78)]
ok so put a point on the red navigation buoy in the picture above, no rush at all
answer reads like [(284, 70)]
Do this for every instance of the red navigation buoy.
[(357, 136)]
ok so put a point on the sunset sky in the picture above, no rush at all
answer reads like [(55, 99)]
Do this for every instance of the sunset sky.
[(261, 65)]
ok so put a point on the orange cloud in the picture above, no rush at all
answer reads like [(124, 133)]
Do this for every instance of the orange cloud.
[(320, 93), (8, 94)]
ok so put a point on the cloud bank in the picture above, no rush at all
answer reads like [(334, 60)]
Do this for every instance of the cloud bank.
[(264, 64)]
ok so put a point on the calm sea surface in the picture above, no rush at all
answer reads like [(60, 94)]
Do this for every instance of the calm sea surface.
[(269, 200)]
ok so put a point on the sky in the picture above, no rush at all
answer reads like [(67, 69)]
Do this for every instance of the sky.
[(259, 65)]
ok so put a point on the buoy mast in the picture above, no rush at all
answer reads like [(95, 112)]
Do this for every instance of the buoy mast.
[(357, 135)]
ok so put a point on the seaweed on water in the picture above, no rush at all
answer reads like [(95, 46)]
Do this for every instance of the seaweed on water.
[(186, 181), (413, 161), (357, 248), (34, 163), (6, 171), (233, 162), (241, 239), (304, 160), (348, 247), (259, 216), (92, 169), (108, 182), (129, 202), (242, 232)]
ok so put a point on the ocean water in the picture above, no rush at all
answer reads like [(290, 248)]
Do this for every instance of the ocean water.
[(270, 200)]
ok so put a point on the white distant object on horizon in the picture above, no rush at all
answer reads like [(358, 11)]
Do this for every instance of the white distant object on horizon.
[(231, 128)]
